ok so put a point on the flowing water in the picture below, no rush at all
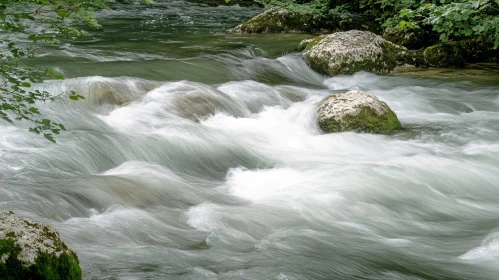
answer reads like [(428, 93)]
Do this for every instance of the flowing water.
[(196, 155)]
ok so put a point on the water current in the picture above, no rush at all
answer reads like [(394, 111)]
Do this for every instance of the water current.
[(196, 155)]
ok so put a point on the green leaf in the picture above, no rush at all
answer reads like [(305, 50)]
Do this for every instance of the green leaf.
[(34, 110), (49, 137)]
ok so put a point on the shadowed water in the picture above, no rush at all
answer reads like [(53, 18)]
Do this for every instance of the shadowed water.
[(195, 160)]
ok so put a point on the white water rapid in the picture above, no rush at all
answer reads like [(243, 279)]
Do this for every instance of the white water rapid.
[(199, 178)]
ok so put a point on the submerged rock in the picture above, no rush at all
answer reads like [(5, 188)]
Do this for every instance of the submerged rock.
[(352, 51), (30, 250), (356, 111), (279, 20)]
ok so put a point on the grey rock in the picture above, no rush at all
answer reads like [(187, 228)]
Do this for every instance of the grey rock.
[(352, 51)]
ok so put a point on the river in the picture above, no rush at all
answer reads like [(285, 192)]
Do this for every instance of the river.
[(196, 155)]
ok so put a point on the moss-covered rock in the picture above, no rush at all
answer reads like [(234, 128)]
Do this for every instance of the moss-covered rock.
[(279, 20), (453, 54), (30, 250), (356, 111), (478, 50), (411, 38), (444, 55), (352, 51)]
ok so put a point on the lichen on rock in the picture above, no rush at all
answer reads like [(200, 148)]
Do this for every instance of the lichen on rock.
[(30, 250), (356, 111), (352, 51)]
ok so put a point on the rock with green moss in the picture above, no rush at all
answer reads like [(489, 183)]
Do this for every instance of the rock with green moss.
[(30, 250), (454, 54), (279, 20), (356, 111), (444, 55), (352, 51), (411, 38), (479, 50)]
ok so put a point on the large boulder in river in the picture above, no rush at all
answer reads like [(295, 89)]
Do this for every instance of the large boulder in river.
[(356, 111), (352, 51), (30, 250), (279, 20)]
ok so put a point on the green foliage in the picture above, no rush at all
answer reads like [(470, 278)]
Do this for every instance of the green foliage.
[(55, 21), (456, 19)]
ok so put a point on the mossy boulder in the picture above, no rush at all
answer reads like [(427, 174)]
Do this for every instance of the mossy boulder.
[(356, 111), (411, 38), (479, 50), (447, 55), (30, 250), (352, 51), (454, 54), (279, 20)]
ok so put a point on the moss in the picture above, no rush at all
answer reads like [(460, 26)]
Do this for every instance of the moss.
[(365, 121), (318, 64), (46, 267), (12, 268), (306, 45), (330, 125)]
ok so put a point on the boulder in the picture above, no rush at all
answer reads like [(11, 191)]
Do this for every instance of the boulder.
[(279, 20), (356, 111), (446, 55), (411, 38), (454, 54), (30, 250), (479, 50), (352, 51)]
